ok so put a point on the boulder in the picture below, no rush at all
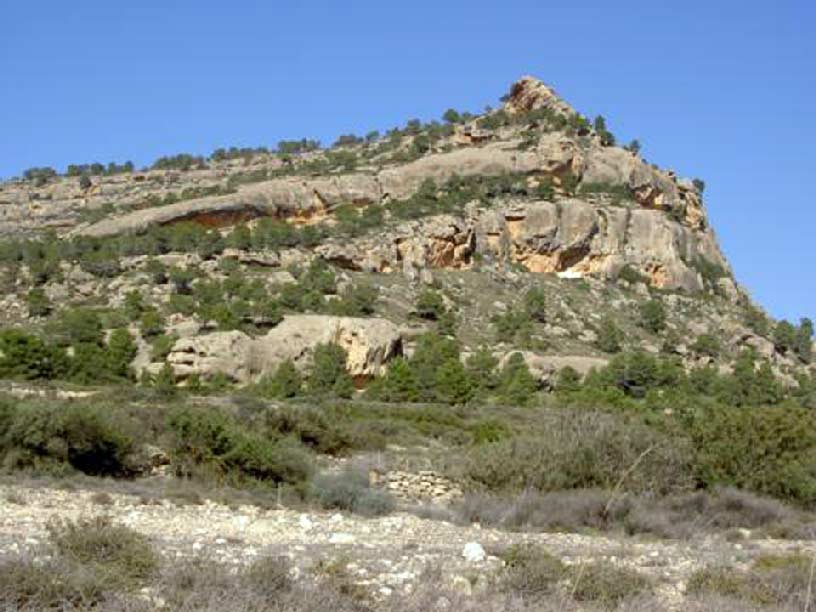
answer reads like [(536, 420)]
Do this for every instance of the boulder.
[(370, 343), (210, 354)]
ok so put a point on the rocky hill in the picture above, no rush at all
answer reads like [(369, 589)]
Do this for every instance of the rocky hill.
[(491, 363), (530, 193)]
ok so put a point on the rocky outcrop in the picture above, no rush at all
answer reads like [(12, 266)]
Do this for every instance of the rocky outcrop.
[(544, 368), (369, 343), (570, 235)]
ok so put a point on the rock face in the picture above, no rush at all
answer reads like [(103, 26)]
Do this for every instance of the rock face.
[(661, 230), (545, 367), (369, 343)]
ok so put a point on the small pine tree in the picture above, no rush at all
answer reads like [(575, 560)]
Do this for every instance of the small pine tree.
[(804, 340), (165, 381), (653, 316), (430, 305), (133, 305), (610, 337), (121, 351), (38, 303), (568, 380), (328, 375), (482, 368), (785, 336), (517, 386), (286, 382), (453, 383), (535, 304)]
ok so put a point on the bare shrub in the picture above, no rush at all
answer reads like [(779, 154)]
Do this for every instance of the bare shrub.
[(123, 555), (350, 489)]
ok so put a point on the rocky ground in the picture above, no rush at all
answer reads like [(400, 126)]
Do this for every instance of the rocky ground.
[(385, 555)]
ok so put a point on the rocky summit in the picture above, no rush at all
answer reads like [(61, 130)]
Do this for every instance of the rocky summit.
[(493, 362)]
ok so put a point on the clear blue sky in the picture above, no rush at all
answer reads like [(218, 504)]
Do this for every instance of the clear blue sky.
[(724, 90)]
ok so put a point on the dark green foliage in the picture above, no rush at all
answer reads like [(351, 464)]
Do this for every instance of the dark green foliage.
[(245, 153), (165, 381), (293, 147), (568, 380), (784, 336), (580, 449), (97, 169), (430, 305), (205, 439), (610, 337), (151, 323), (182, 161), (121, 351), (769, 450), (482, 368), (804, 340), (80, 325), (699, 184), (756, 320), (85, 182), (286, 382), (605, 583), (535, 304), (328, 375), (400, 384), (531, 572), (514, 326), (358, 300), (452, 116), (706, 344), (607, 137), (633, 146), (38, 303), (39, 176), (133, 305), (516, 386), (653, 316), (709, 271), (27, 357), (45, 437), (453, 382), (631, 275)]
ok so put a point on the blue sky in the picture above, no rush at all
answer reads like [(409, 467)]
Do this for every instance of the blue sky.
[(721, 89)]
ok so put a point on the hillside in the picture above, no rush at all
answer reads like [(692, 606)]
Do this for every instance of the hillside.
[(503, 320)]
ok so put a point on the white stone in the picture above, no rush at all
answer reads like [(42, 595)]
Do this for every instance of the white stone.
[(473, 552), (341, 538)]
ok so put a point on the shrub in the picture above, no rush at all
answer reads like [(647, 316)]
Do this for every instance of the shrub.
[(400, 384), (38, 303), (286, 382), (453, 383), (210, 440), (430, 305), (328, 375), (28, 357), (606, 583), (124, 556), (516, 386), (653, 316), (32, 585), (514, 326), (535, 304), (631, 275), (770, 450), (357, 301), (121, 350), (610, 337), (706, 344), (582, 450), (350, 489), (530, 572), (83, 437)]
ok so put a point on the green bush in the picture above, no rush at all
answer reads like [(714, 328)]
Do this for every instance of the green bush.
[(516, 385), (769, 450), (531, 572), (28, 357), (583, 450), (653, 316), (53, 437), (610, 337), (328, 375), (535, 304), (286, 382), (38, 303), (209, 440), (430, 305)]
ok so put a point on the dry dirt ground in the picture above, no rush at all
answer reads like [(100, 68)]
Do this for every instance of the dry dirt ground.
[(387, 554)]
